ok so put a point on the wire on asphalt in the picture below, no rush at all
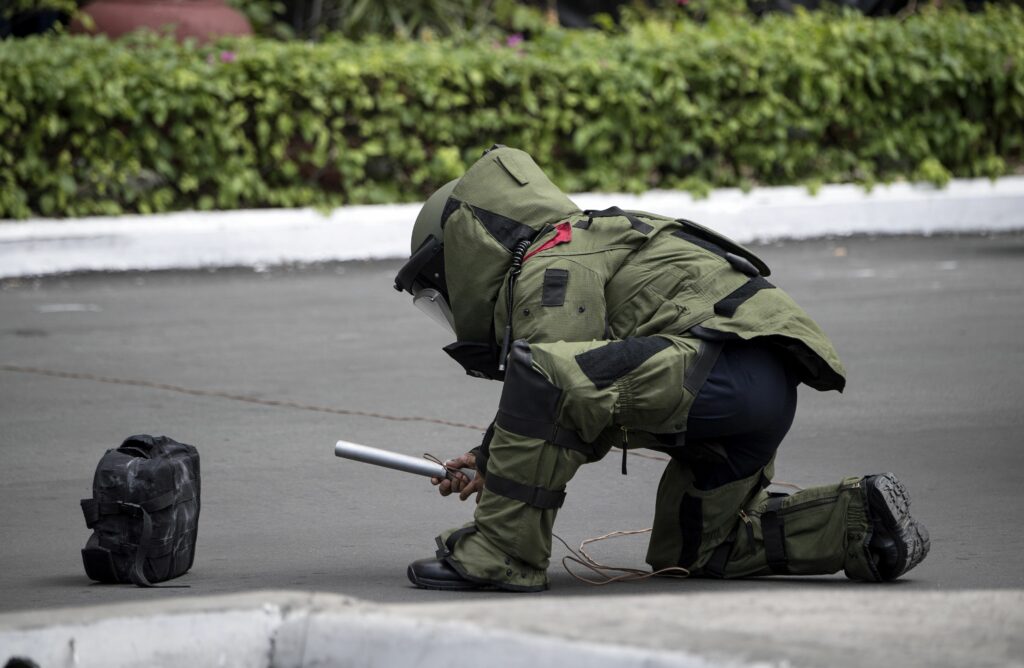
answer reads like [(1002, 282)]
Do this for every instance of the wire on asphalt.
[(276, 403), (610, 574)]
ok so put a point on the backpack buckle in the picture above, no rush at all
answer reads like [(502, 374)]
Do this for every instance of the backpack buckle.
[(130, 509)]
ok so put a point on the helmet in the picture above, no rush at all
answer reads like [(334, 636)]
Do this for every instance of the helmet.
[(423, 275), (428, 222)]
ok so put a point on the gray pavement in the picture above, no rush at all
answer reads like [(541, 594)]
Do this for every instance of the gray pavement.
[(929, 329)]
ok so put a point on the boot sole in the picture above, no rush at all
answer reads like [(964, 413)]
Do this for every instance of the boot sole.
[(890, 503), (443, 585), (889, 500)]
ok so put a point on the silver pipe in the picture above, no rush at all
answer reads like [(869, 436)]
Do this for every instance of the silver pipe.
[(393, 460)]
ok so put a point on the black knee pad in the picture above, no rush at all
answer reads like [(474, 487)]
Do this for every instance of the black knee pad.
[(530, 402), (527, 396)]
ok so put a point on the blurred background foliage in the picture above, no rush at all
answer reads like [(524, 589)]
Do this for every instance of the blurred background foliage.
[(359, 19), (681, 95), (426, 19)]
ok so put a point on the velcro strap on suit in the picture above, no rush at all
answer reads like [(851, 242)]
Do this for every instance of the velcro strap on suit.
[(615, 212), (715, 566), (545, 431), (727, 306), (740, 258), (773, 528), (444, 549), (738, 262), (698, 372), (538, 497)]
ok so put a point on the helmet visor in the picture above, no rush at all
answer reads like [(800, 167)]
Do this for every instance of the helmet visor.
[(432, 302), (425, 269)]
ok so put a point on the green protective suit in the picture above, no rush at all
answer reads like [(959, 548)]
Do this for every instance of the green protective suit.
[(617, 319)]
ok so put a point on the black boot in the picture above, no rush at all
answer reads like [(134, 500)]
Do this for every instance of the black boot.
[(437, 574), (899, 542)]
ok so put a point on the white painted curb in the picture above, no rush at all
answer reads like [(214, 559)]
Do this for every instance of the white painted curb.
[(843, 627), (259, 238), (292, 630)]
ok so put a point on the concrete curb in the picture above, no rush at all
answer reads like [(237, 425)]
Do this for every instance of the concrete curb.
[(293, 629), (855, 626), (260, 238)]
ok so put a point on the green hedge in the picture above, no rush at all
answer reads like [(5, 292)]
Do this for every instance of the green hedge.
[(89, 126)]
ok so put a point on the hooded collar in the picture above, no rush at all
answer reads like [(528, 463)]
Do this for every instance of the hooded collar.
[(504, 198)]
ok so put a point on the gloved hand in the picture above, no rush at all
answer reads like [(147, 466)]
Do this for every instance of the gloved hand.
[(459, 482)]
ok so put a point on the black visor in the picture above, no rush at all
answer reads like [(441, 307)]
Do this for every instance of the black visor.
[(425, 269)]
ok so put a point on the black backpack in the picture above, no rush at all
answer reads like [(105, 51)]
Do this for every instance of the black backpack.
[(144, 512)]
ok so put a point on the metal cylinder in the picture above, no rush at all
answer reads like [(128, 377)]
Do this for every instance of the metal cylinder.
[(391, 460)]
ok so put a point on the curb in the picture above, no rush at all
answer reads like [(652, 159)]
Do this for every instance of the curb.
[(293, 629), (266, 237), (850, 626)]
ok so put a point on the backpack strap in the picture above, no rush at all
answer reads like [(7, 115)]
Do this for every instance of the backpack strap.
[(91, 510), (137, 573), (94, 510)]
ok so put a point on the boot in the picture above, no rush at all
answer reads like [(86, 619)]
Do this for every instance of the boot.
[(435, 573), (899, 542)]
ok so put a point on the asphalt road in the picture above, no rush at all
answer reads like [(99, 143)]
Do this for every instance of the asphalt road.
[(929, 330)]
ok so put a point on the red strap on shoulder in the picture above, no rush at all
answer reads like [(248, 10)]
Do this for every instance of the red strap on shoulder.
[(563, 235)]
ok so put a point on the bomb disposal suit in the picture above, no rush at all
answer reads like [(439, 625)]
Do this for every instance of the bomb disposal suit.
[(627, 329)]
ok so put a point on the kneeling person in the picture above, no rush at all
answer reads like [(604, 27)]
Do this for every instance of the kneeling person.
[(621, 328)]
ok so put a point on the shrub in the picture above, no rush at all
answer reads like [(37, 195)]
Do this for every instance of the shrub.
[(13, 7), (360, 19), (89, 126)]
